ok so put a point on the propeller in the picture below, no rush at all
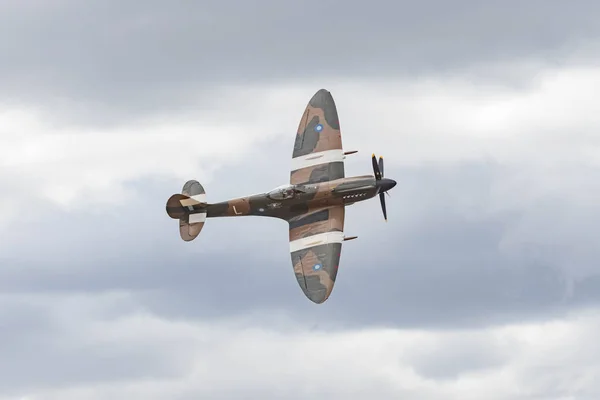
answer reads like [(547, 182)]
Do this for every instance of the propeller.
[(378, 170), (382, 201)]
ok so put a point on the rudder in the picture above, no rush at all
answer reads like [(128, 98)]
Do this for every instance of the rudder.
[(190, 208)]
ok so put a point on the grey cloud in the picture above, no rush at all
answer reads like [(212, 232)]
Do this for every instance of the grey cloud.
[(104, 60), (41, 348), (446, 269), (436, 263), (450, 359)]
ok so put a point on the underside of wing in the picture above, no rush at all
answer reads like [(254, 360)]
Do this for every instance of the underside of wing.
[(315, 247), (318, 154)]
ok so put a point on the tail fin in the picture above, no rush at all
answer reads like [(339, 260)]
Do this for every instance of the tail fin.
[(190, 208)]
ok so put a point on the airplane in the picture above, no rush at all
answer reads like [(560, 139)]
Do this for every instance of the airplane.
[(313, 203)]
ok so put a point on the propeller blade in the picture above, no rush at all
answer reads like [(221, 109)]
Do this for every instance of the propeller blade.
[(381, 166), (376, 167), (382, 200)]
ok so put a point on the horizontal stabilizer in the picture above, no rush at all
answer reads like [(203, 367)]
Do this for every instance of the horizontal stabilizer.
[(189, 230), (189, 208), (346, 153), (349, 237)]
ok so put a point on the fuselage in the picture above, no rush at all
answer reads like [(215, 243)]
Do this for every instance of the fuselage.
[(289, 200)]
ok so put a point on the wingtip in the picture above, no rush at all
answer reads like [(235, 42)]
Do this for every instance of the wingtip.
[(321, 98), (317, 297)]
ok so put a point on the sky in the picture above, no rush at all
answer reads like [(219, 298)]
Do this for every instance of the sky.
[(484, 282)]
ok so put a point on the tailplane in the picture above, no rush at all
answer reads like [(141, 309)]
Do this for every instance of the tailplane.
[(189, 208)]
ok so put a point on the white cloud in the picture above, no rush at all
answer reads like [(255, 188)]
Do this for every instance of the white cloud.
[(545, 133), (68, 166), (281, 359)]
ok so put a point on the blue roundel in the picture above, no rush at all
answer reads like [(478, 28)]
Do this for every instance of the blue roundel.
[(317, 267), (318, 128)]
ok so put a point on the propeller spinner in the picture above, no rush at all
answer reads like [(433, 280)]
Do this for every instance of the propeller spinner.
[(383, 184)]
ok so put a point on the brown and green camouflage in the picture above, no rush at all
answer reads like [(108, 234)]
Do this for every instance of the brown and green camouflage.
[(313, 203)]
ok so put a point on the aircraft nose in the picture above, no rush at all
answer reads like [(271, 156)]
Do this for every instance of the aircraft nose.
[(386, 184)]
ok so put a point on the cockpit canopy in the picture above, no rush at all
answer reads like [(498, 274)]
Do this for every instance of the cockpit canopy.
[(285, 192), (282, 192)]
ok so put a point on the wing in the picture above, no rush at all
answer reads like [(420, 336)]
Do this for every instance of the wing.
[(315, 247), (318, 154)]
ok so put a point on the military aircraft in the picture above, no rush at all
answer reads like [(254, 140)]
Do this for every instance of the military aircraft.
[(313, 203)]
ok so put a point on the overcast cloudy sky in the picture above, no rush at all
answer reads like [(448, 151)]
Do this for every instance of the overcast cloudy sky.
[(484, 284)]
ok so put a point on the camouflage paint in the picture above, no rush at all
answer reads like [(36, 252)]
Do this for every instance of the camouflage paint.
[(184, 207), (318, 131), (315, 210)]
